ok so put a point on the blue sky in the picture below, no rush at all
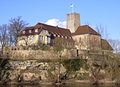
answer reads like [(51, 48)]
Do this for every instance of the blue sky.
[(92, 12)]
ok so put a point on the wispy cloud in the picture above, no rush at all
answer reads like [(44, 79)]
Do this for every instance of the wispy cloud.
[(56, 22)]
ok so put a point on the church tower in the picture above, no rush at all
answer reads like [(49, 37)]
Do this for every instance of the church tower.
[(73, 21)]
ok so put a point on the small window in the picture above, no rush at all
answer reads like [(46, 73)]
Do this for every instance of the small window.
[(70, 37), (58, 35), (36, 30), (54, 35), (66, 37)]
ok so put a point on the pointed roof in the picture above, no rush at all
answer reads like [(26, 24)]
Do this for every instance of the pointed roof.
[(55, 29), (105, 45), (85, 29)]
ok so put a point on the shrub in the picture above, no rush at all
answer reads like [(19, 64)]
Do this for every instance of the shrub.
[(40, 47), (72, 64), (44, 47)]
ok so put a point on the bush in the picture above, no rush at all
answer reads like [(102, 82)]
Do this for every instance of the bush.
[(44, 47), (72, 64), (40, 47)]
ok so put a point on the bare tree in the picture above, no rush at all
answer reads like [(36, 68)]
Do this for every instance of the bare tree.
[(11, 37), (16, 25), (102, 31), (4, 38), (115, 44)]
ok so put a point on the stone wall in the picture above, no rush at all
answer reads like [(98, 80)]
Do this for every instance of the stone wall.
[(40, 54), (31, 70), (37, 71), (27, 40), (39, 65), (32, 54), (73, 21), (88, 42), (51, 54)]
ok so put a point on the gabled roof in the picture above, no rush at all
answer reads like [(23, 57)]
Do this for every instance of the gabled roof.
[(105, 45), (52, 29), (55, 29), (85, 30)]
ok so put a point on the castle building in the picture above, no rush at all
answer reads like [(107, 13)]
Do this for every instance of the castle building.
[(74, 35), (45, 34)]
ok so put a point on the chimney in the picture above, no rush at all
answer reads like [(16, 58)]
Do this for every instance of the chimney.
[(73, 21)]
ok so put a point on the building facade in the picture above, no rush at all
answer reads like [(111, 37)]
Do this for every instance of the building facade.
[(45, 34), (75, 35)]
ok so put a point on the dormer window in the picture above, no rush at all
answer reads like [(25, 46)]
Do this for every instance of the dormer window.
[(70, 37), (36, 30), (65, 37), (54, 35), (23, 32), (30, 31)]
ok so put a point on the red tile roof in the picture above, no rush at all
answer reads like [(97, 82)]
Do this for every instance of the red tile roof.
[(52, 29), (85, 30), (55, 29)]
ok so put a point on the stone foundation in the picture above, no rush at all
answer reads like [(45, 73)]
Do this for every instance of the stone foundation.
[(36, 71)]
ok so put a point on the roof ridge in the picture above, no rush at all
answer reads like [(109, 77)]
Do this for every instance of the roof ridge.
[(57, 27), (50, 28), (85, 29)]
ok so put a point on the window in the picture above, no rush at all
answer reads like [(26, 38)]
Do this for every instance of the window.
[(54, 35), (48, 39), (70, 37), (65, 37), (36, 30)]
